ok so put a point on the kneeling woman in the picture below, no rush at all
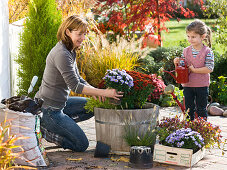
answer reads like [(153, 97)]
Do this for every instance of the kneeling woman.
[(61, 112)]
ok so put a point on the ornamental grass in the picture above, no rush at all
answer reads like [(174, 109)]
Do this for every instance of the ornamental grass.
[(134, 137), (98, 55)]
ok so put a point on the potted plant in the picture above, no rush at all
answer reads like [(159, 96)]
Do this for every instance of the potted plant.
[(110, 117), (178, 138), (142, 145)]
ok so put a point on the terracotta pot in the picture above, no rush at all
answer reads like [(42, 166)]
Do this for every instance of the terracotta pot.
[(150, 41)]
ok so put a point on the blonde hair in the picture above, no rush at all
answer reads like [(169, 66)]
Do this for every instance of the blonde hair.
[(74, 22), (199, 27)]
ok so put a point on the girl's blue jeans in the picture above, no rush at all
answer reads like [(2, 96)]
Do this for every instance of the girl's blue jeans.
[(63, 123), (196, 99)]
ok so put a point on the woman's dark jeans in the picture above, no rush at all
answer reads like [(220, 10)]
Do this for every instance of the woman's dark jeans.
[(63, 123), (196, 99)]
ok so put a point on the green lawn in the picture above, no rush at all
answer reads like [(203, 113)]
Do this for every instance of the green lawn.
[(177, 33)]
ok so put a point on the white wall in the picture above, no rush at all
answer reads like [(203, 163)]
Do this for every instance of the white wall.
[(5, 85), (15, 29)]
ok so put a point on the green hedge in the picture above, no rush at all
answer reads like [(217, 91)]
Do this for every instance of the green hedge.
[(36, 41), (220, 63)]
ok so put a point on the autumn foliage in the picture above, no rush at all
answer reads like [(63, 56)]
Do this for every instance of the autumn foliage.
[(72, 7), (18, 9), (128, 16), (121, 17)]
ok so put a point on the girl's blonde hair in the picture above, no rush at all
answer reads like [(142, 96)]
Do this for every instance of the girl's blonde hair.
[(199, 27), (73, 22)]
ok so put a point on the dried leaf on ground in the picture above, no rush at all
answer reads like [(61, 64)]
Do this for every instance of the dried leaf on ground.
[(122, 159), (94, 167), (74, 159)]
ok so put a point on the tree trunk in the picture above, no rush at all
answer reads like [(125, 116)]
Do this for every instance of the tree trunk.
[(158, 16)]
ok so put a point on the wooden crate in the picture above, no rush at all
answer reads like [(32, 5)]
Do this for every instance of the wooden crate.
[(177, 156)]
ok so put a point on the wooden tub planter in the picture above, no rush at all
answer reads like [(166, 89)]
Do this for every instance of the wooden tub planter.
[(109, 125), (177, 156)]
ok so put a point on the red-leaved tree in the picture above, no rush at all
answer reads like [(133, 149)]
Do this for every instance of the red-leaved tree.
[(128, 16)]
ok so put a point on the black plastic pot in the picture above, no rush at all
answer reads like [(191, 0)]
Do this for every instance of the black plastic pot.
[(101, 150), (141, 157)]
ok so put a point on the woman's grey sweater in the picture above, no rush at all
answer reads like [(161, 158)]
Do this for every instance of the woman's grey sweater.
[(60, 75)]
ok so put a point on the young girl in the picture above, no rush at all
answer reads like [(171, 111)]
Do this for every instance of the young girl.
[(200, 60)]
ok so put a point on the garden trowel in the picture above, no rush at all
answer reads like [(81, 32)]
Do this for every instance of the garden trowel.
[(33, 82)]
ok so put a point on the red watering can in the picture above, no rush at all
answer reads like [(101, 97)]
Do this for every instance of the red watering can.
[(182, 72), (181, 77)]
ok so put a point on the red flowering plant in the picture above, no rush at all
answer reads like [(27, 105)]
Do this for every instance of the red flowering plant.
[(138, 94), (209, 132), (158, 90)]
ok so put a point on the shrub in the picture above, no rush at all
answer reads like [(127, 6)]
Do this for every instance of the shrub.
[(179, 94), (184, 43), (218, 90), (220, 62), (218, 86), (36, 41), (218, 8), (161, 58)]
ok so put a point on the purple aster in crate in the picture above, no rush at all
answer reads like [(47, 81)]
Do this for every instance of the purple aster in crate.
[(185, 138)]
